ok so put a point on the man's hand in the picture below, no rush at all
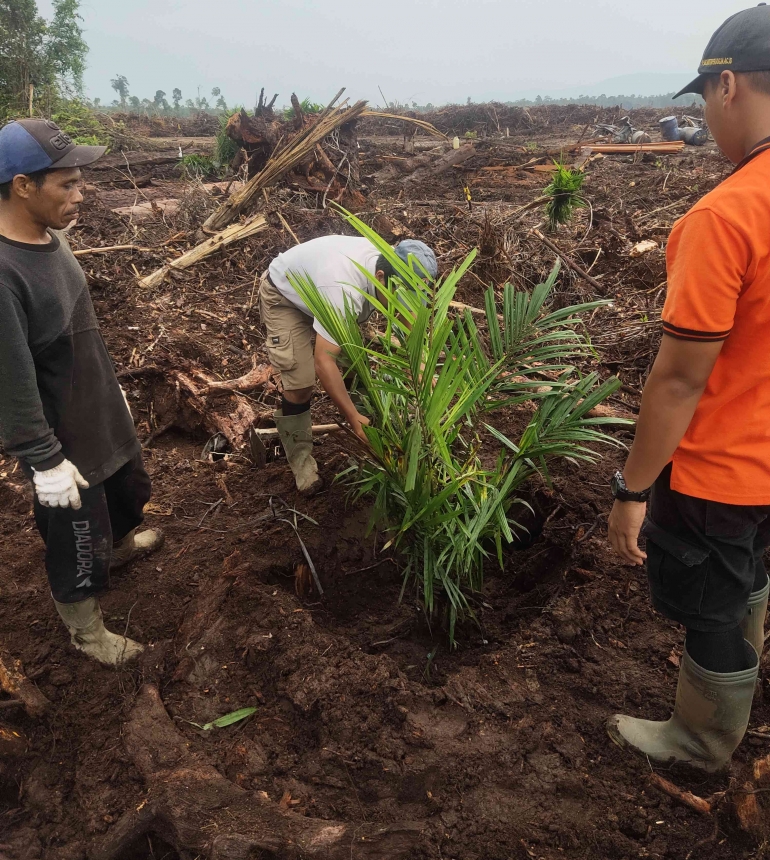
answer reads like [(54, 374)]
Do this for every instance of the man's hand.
[(625, 524), (358, 424), (58, 487)]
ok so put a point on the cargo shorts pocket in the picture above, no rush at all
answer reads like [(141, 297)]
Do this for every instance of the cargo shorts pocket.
[(280, 351), (677, 569)]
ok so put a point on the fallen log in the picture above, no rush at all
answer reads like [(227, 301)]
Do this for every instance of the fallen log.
[(446, 162), (234, 233), (630, 148), (199, 812), (284, 160), (15, 683)]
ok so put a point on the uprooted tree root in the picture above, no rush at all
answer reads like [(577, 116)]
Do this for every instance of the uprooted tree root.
[(194, 808)]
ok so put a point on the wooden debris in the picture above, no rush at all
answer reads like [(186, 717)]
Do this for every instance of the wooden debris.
[(258, 377), (446, 162), (284, 160), (697, 804), (148, 209), (108, 249), (12, 742), (184, 790), (747, 810), (420, 123), (234, 233), (15, 683), (643, 247), (316, 429), (570, 263), (631, 148)]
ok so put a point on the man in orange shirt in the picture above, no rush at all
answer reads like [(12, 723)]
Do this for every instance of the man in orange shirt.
[(702, 447)]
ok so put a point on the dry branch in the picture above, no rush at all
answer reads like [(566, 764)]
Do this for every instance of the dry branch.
[(697, 804), (14, 682), (420, 123), (234, 233), (284, 160), (569, 262), (108, 249)]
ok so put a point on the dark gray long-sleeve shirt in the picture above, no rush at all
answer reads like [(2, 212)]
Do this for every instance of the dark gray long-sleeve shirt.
[(59, 396)]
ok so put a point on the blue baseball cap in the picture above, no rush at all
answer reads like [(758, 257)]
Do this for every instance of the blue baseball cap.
[(29, 145), (421, 254)]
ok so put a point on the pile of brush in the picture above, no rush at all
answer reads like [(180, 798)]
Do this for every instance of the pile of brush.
[(330, 167)]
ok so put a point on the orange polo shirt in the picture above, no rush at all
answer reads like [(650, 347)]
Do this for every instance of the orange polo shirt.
[(718, 262)]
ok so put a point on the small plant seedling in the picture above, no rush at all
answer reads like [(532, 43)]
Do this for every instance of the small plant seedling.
[(226, 720), (530, 146), (564, 194), (470, 135)]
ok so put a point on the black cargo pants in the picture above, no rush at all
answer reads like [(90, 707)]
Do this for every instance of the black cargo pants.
[(703, 558), (79, 543)]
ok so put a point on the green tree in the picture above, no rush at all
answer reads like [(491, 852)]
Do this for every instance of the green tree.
[(65, 48), (222, 104), (47, 56), (134, 102), (120, 84), (160, 97), (176, 97)]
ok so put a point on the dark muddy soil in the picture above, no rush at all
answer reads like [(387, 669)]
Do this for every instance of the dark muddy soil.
[(494, 751)]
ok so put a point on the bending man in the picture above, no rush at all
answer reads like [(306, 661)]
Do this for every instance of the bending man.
[(330, 262)]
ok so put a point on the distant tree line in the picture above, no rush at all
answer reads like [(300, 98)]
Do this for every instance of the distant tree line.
[(159, 104)]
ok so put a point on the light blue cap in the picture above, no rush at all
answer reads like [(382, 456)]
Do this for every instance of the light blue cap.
[(421, 254)]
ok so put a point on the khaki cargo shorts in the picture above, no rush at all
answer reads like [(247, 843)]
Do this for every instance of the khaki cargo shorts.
[(289, 337)]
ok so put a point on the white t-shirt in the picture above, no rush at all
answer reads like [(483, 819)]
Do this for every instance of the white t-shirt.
[(329, 262)]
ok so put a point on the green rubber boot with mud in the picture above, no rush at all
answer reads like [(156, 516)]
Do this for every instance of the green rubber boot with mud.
[(135, 545), (89, 635), (753, 625), (296, 436), (709, 721)]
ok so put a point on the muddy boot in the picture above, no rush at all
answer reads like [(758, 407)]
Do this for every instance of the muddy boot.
[(753, 625), (709, 720), (135, 545), (297, 440), (84, 622)]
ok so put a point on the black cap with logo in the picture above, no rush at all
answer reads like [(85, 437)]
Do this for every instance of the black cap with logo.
[(741, 44)]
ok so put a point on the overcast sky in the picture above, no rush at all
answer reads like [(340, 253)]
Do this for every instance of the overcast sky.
[(416, 50)]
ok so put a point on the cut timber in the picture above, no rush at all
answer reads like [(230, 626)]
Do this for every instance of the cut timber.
[(234, 233), (14, 682), (446, 162), (284, 160), (200, 813), (316, 429), (630, 148)]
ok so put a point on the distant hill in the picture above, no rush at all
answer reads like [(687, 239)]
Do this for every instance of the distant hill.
[(640, 84)]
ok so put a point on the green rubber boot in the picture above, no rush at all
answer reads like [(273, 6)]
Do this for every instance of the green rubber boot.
[(89, 635), (753, 625), (135, 545), (297, 440), (709, 720)]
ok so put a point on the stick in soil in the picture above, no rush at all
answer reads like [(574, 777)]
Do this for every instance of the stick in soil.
[(697, 804)]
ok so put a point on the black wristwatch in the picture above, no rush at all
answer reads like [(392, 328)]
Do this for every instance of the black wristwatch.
[(621, 492)]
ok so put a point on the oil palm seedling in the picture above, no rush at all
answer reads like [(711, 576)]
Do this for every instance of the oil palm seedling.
[(563, 195), (442, 498)]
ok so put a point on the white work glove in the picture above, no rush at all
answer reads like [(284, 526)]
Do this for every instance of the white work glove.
[(58, 487), (125, 400)]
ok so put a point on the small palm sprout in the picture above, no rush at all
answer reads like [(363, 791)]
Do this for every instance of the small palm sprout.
[(564, 195)]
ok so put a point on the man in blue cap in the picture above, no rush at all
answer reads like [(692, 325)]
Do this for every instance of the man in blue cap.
[(331, 263), (62, 411)]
